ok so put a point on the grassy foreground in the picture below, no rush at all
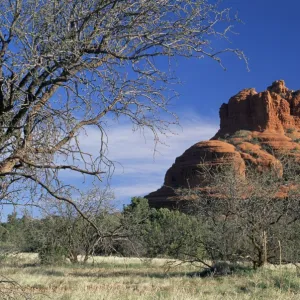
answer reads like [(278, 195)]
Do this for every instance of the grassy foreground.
[(112, 278)]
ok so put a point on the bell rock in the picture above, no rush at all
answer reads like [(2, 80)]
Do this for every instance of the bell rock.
[(255, 129)]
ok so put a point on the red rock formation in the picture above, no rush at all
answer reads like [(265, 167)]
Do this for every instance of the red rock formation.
[(186, 171), (276, 109), (254, 129)]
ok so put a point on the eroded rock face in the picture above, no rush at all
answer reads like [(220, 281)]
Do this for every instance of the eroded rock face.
[(275, 109), (254, 129), (187, 169)]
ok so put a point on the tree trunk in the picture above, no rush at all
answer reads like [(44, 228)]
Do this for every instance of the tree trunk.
[(73, 257), (265, 247)]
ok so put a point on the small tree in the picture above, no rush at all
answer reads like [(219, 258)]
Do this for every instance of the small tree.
[(66, 234)]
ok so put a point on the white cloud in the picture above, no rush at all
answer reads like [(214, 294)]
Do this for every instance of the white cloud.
[(134, 190), (140, 169)]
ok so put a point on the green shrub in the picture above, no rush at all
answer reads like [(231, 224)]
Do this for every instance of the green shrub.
[(290, 130), (162, 233), (266, 147), (254, 140), (242, 134), (287, 282), (52, 255)]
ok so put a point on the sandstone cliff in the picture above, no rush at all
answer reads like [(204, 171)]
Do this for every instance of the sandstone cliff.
[(255, 128)]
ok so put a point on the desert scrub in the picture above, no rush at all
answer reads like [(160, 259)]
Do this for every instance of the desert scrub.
[(254, 140), (266, 147), (242, 134), (290, 130), (295, 150)]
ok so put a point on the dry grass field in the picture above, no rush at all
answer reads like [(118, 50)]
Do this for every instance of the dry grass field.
[(113, 278)]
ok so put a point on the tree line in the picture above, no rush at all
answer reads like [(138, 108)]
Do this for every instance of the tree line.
[(250, 219), (142, 231)]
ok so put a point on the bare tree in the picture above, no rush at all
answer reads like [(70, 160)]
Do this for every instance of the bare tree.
[(10, 290), (249, 217), (69, 64), (65, 233)]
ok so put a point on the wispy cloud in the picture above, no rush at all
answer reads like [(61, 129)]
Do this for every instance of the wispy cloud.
[(142, 164), (142, 169)]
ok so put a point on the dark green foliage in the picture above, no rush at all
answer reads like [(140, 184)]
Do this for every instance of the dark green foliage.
[(162, 232), (20, 234), (51, 254), (290, 130), (174, 234), (254, 140), (266, 147), (221, 268)]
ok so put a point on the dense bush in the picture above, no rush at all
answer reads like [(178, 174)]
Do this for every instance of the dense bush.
[(162, 233), (51, 254), (20, 234)]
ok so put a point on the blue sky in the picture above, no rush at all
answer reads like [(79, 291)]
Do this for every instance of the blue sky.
[(268, 36), (270, 39)]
